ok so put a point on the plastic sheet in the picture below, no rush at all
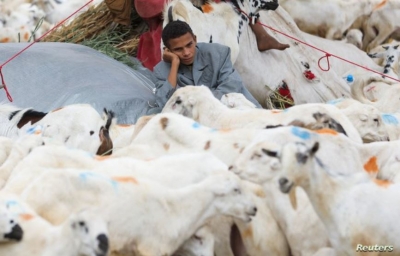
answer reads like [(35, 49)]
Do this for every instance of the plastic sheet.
[(50, 75)]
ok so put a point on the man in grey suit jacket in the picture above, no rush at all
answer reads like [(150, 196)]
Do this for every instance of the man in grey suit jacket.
[(186, 62)]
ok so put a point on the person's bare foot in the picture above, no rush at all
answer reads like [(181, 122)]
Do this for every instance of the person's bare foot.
[(270, 43)]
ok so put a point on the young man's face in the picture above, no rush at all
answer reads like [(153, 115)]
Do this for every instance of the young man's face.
[(184, 47)]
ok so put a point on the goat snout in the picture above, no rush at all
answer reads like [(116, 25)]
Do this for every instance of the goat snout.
[(285, 185), (15, 234), (103, 245)]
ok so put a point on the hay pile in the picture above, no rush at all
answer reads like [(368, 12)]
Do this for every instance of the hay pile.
[(95, 28)]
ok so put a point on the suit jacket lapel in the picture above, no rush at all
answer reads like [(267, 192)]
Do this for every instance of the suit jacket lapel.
[(199, 65)]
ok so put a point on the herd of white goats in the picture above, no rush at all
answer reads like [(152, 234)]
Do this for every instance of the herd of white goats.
[(315, 179), (74, 182), (20, 18)]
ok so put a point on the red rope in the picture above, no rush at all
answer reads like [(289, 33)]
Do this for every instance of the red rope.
[(327, 60), (327, 54), (3, 83)]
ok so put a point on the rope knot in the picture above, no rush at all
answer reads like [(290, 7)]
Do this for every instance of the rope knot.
[(327, 55)]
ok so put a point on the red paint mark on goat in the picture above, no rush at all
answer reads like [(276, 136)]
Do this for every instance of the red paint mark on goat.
[(26, 216), (371, 166), (326, 131), (125, 179), (207, 8), (383, 183)]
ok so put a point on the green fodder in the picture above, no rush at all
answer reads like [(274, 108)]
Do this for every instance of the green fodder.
[(277, 101)]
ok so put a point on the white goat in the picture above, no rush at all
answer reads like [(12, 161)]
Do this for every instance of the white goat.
[(197, 102), (366, 118), (346, 204), (83, 233), (130, 229), (10, 230), (237, 101), (388, 101)]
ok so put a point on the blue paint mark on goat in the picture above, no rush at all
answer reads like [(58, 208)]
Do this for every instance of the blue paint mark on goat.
[(390, 119), (33, 129), (335, 101), (14, 206), (85, 175), (301, 133), (196, 125)]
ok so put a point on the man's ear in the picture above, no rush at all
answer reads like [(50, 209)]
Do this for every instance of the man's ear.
[(195, 38)]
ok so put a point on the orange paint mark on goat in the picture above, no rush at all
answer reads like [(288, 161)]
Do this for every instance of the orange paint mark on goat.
[(26, 216), (101, 158), (207, 8), (124, 125), (247, 233), (26, 36), (5, 40), (56, 109), (326, 131), (371, 166), (380, 5), (383, 183), (274, 111), (125, 179)]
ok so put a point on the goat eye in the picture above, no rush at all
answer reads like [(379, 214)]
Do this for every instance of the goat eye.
[(376, 120), (237, 190), (178, 101)]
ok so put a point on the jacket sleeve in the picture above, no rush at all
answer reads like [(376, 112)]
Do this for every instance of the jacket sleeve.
[(229, 80), (163, 89)]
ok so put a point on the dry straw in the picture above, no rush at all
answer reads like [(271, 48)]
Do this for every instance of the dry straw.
[(95, 28)]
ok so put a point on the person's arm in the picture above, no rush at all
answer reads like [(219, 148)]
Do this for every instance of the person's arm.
[(166, 86), (229, 80)]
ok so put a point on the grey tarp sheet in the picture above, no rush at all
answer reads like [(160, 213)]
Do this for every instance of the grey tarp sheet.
[(51, 75)]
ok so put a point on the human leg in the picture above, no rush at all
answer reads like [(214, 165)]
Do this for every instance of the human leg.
[(264, 40)]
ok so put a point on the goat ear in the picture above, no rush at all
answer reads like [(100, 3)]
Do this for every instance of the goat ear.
[(192, 101), (395, 47), (385, 47), (269, 153), (314, 148), (317, 116), (363, 117)]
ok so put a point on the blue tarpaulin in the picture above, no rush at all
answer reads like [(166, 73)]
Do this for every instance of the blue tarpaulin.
[(50, 75)]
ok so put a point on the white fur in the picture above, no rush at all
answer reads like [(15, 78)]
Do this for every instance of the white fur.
[(130, 229), (237, 101), (78, 235), (197, 102)]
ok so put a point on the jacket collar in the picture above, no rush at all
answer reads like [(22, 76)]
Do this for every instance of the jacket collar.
[(199, 65)]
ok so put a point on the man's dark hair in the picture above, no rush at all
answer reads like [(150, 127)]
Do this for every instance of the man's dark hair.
[(175, 29)]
